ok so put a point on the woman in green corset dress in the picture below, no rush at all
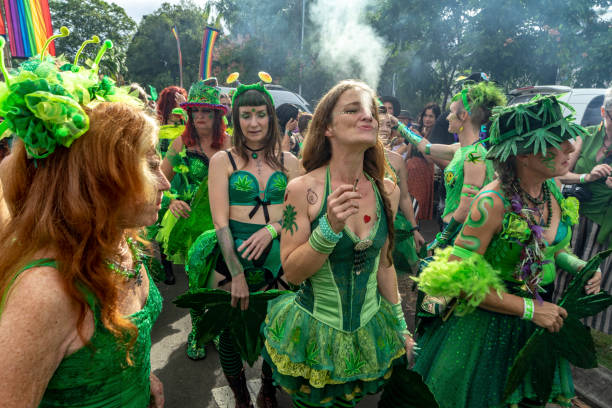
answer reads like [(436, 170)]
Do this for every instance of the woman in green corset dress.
[(339, 336), (504, 258), (408, 239), (247, 186), (77, 304), (468, 169), (593, 171)]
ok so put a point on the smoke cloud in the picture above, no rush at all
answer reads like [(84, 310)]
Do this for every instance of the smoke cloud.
[(349, 47)]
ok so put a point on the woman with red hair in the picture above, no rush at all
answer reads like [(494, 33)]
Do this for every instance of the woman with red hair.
[(77, 303), (186, 165), (171, 117)]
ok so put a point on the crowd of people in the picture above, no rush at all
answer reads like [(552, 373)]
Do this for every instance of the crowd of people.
[(97, 182)]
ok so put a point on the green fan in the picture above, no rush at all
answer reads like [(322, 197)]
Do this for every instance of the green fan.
[(573, 342), (219, 314)]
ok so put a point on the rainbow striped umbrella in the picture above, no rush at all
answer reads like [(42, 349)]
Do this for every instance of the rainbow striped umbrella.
[(28, 26)]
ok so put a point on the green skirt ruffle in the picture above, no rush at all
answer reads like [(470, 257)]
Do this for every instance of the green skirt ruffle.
[(317, 363), (176, 236), (465, 361), (405, 256)]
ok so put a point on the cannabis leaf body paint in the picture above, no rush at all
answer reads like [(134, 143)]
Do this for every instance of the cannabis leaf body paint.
[(289, 219)]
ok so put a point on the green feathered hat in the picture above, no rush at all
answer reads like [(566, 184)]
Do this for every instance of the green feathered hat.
[(530, 128), (264, 77), (205, 93), (43, 104)]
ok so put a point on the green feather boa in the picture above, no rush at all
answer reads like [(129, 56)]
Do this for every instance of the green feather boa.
[(469, 280)]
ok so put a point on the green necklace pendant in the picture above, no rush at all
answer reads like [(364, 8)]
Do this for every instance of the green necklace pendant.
[(254, 155), (129, 274)]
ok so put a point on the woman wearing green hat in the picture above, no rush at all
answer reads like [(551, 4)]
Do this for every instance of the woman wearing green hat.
[(186, 164), (501, 270)]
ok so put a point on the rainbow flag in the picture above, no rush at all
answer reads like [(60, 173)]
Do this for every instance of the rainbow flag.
[(208, 43), (29, 26)]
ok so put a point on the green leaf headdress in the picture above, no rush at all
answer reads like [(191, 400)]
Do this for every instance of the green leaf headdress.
[(483, 94), (43, 104), (205, 93), (530, 128), (264, 77)]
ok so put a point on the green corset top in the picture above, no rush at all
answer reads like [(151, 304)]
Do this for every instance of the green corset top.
[(504, 251), (98, 375), (344, 292)]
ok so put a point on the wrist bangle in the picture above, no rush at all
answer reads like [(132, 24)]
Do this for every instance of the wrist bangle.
[(415, 228), (327, 231), (583, 178), (428, 148), (528, 309), (272, 231), (319, 243)]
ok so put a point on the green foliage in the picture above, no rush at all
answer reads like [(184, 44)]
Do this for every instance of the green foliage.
[(152, 56), (86, 18)]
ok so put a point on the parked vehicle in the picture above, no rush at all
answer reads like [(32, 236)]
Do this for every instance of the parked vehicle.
[(586, 101), (280, 95)]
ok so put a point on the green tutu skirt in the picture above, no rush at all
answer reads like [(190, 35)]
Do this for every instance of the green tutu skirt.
[(177, 235), (405, 256), (317, 363), (465, 361)]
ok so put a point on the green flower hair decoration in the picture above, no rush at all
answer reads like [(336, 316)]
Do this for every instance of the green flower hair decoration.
[(264, 77), (482, 94), (43, 104), (530, 128)]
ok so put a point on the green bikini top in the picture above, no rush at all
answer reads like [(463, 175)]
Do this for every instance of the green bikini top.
[(244, 189), (97, 375)]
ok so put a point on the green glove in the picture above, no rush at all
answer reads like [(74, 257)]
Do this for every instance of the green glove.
[(445, 237)]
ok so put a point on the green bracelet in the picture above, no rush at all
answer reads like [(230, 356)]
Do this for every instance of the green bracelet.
[(528, 309), (569, 262), (319, 243), (399, 314), (583, 178), (428, 148), (272, 231)]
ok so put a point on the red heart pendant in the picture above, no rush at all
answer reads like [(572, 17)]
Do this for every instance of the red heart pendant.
[(366, 218)]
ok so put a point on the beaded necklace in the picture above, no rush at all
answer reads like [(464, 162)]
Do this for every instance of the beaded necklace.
[(129, 274)]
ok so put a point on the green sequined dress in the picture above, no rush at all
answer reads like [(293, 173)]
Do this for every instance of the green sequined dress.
[(336, 337), (453, 174), (190, 184), (465, 360), (98, 376)]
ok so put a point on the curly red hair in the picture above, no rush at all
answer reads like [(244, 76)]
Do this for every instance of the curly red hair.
[(72, 202), (167, 101)]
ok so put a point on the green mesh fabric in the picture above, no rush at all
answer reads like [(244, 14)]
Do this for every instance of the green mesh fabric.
[(453, 174), (405, 257), (465, 360), (331, 362), (98, 376)]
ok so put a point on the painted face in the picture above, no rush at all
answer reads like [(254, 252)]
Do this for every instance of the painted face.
[(203, 118), (352, 119), (555, 163), (455, 116), (254, 122), (429, 119), (389, 107), (145, 213), (384, 130)]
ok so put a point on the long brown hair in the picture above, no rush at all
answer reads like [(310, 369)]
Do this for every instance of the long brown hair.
[(167, 101), (318, 150), (272, 151), (71, 205)]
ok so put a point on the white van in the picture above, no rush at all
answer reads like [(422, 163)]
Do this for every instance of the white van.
[(586, 101)]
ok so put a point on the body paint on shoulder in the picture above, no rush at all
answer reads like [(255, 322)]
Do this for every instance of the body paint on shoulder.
[(472, 242)]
